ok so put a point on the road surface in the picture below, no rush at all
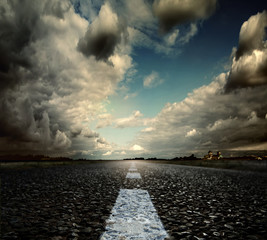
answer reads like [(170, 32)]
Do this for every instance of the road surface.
[(77, 201)]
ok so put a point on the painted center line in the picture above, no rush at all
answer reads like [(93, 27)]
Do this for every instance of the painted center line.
[(134, 217), (133, 175), (132, 165), (132, 169)]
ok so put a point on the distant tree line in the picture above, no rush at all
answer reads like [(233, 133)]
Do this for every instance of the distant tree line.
[(10, 158)]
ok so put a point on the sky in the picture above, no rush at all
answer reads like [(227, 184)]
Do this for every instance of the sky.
[(120, 79)]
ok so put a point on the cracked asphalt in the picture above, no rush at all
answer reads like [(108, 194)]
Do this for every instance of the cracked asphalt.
[(74, 201)]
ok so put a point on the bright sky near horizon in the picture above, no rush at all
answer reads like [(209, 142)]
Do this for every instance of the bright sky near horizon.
[(121, 78)]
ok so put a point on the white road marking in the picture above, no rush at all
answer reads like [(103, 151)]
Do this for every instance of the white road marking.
[(133, 175), (132, 169), (132, 165), (134, 217)]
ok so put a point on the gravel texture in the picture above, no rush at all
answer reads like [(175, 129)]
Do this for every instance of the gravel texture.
[(74, 202), (68, 202)]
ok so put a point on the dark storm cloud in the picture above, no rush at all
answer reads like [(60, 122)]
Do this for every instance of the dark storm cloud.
[(20, 25), (174, 12), (90, 134), (23, 130), (249, 67), (24, 127), (101, 46), (16, 33), (248, 76), (25, 123), (47, 87), (252, 34), (14, 121), (103, 35), (76, 132)]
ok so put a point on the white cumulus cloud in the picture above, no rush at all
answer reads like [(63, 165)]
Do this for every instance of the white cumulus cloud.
[(208, 119), (108, 153), (189, 34), (152, 80), (171, 38), (136, 148), (175, 12), (133, 120), (191, 133), (249, 66)]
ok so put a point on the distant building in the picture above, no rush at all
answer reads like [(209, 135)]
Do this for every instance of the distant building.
[(210, 156), (219, 155)]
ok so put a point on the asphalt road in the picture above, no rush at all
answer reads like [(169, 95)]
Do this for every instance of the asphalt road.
[(74, 202)]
